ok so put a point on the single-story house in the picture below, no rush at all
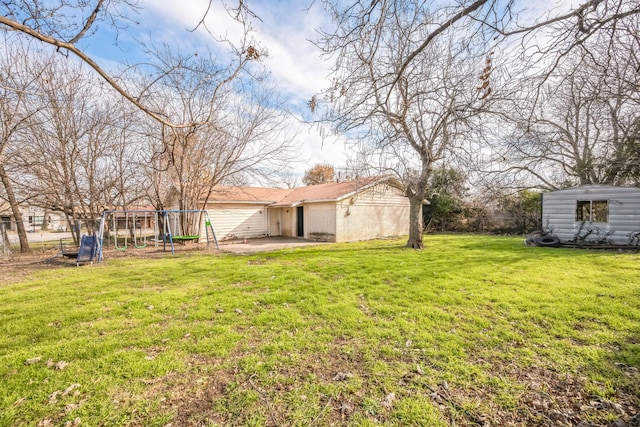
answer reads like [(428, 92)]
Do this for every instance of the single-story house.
[(345, 211), (33, 218), (593, 213), (137, 217)]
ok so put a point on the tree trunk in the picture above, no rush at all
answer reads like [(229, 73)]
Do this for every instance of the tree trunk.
[(45, 224), (74, 228), (15, 210), (4, 240), (415, 222)]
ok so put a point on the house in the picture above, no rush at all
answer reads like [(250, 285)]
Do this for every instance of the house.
[(593, 213), (33, 218), (138, 217), (345, 211), (241, 212)]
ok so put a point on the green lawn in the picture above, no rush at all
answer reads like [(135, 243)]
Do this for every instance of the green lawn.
[(474, 330)]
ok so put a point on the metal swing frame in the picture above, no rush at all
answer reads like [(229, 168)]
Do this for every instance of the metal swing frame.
[(166, 235)]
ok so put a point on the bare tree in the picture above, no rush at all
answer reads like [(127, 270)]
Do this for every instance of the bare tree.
[(67, 159), (236, 132), (64, 23), (408, 117), (549, 36), (18, 88), (584, 130), (410, 37)]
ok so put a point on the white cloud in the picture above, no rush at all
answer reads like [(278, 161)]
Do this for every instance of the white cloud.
[(321, 149), (284, 28), (287, 31)]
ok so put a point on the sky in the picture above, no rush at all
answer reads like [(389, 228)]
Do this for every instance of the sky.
[(284, 29)]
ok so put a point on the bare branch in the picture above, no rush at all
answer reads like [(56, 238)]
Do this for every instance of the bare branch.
[(88, 24), (80, 54), (435, 33)]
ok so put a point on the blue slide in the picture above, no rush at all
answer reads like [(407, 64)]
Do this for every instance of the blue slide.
[(87, 250)]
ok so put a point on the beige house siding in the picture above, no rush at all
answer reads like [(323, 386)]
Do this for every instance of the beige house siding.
[(382, 211), (33, 218), (320, 221), (344, 211), (281, 221), (288, 220), (238, 221)]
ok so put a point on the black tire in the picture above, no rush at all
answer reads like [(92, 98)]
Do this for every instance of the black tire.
[(549, 241)]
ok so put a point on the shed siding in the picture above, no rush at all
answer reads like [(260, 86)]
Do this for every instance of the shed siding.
[(238, 221), (382, 211), (559, 210)]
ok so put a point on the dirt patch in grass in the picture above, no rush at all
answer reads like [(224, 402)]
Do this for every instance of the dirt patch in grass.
[(18, 266), (190, 395), (231, 396), (228, 392), (546, 398)]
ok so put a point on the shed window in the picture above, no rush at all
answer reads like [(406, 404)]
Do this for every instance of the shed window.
[(592, 210)]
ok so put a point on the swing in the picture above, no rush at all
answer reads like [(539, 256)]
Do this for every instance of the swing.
[(182, 221), (141, 235), (115, 232), (67, 251), (84, 253), (168, 226)]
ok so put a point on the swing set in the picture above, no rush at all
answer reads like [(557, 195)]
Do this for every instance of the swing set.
[(139, 228)]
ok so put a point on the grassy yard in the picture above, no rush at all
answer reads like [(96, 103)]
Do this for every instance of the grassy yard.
[(474, 330)]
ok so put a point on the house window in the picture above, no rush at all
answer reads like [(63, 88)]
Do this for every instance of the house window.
[(592, 210)]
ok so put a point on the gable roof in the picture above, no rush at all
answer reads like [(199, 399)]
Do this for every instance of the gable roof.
[(277, 197), (329, 192)]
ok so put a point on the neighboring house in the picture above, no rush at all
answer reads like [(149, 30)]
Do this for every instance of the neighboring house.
[(6, 217), (594, 213), (33, 218), (138, 217), (344, 211)]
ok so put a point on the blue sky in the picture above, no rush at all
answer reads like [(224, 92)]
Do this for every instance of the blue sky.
[(284, 30)]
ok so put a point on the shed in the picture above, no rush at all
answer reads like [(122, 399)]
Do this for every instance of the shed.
[(593, 213)]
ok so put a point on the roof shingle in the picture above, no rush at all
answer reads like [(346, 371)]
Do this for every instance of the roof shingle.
[(331, 191)]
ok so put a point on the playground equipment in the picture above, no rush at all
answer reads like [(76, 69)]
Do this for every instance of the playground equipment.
[(86, 252), (127, 227), (139, 227)]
